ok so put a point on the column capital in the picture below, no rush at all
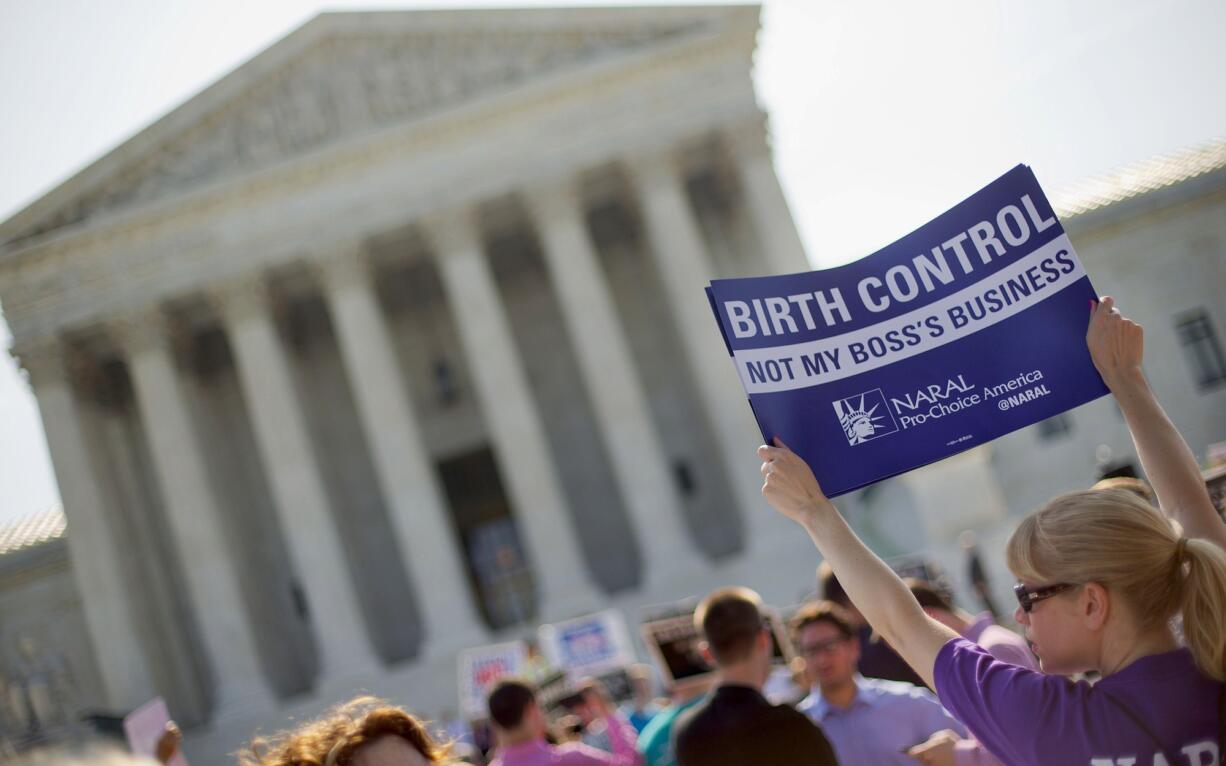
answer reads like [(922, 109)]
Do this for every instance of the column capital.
[(654, 166), (342, 266), (140, 330), (45, 360), (241, 297), (749, 137), (451, 229), (660, 167), (561, 198)]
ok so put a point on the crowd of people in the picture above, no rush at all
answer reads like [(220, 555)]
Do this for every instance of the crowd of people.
[(1121, 594)]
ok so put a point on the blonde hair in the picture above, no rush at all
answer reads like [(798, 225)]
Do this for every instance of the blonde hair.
[(1114, 538), (1134, 485), (334, 738)]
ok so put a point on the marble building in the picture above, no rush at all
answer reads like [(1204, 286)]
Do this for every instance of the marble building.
[(393, 341)]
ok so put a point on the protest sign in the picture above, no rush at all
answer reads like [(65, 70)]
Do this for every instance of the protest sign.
[(144, 726), (588, 646), (482, 667), (673, 643), (552, 689), (966, 329)]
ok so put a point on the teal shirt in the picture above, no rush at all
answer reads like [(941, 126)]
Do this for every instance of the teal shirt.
[(656, 741)]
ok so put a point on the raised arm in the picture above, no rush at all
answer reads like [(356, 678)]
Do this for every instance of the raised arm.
[(1117, 347), (883, 599)]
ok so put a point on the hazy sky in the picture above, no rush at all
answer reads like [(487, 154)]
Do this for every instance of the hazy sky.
[(884, 113)]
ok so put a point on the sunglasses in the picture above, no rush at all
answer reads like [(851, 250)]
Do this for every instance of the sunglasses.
[(821, 647), (1028, 597)]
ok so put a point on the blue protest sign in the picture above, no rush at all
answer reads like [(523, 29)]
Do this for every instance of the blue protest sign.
[(967, 328), (588, 645)]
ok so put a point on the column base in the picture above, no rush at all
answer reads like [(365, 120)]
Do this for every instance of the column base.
[(445, 645), (346, 678), (243, 702), (677, 577)]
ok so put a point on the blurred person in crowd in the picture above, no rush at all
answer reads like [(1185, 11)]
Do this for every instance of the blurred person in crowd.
[(735, 725), (877, 658), (90, 754), (642, 706), (483, 735), (1001, 643), (656, 740), (948, 747), (522, 727), (568, 728), (455, 729), (365, 731), (1101, 574), (591, 703), (868, 720), (467, 753), (100, 753), (977, 573)]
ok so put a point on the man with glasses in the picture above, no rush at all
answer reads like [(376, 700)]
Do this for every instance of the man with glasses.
[(868, 720)]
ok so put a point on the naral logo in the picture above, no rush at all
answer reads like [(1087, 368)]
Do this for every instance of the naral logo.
[(865, 416)]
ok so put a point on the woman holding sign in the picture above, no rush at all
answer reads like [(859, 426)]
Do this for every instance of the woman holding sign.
[(1101, 575)]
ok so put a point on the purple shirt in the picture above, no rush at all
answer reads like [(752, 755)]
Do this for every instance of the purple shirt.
[(1006, 646), (540, 753), (1025, 717)]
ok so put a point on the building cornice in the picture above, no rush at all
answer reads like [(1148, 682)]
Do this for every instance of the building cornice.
[(731, 23)]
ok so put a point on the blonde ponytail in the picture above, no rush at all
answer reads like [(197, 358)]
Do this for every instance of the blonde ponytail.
[(1204, 605), (1114, 538)]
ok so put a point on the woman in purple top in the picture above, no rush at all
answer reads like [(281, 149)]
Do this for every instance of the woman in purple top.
[(1102, 573)]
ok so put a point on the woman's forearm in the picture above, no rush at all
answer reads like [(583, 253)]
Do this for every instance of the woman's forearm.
[(1166, 458)]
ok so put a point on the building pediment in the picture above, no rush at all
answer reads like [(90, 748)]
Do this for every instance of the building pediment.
[(345, 74)]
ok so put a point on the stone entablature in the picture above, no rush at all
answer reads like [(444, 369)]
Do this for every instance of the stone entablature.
[(347, 75)]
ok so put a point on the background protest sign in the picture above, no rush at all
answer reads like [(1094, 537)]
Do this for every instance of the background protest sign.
[(967, 328), (145, 726), (588, 646), (482, 667)]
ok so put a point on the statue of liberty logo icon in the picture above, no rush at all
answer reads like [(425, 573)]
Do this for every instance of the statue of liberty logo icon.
[(864, 416)]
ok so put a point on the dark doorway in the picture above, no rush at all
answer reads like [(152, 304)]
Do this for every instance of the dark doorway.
[(498, 568)]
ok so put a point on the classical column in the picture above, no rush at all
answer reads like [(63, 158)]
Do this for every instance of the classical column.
[(613, 385), (520, 443), (768, 209), (676, 245), (297, 486), (406, 477), (194, 515), (94, 544)]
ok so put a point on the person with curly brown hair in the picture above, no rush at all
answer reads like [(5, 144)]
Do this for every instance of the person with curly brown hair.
[(365, 731)]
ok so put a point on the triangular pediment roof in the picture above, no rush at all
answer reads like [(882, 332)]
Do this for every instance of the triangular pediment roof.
[(342, 75)]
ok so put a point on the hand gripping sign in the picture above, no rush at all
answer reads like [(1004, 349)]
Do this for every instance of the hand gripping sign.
[(966, 329)]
